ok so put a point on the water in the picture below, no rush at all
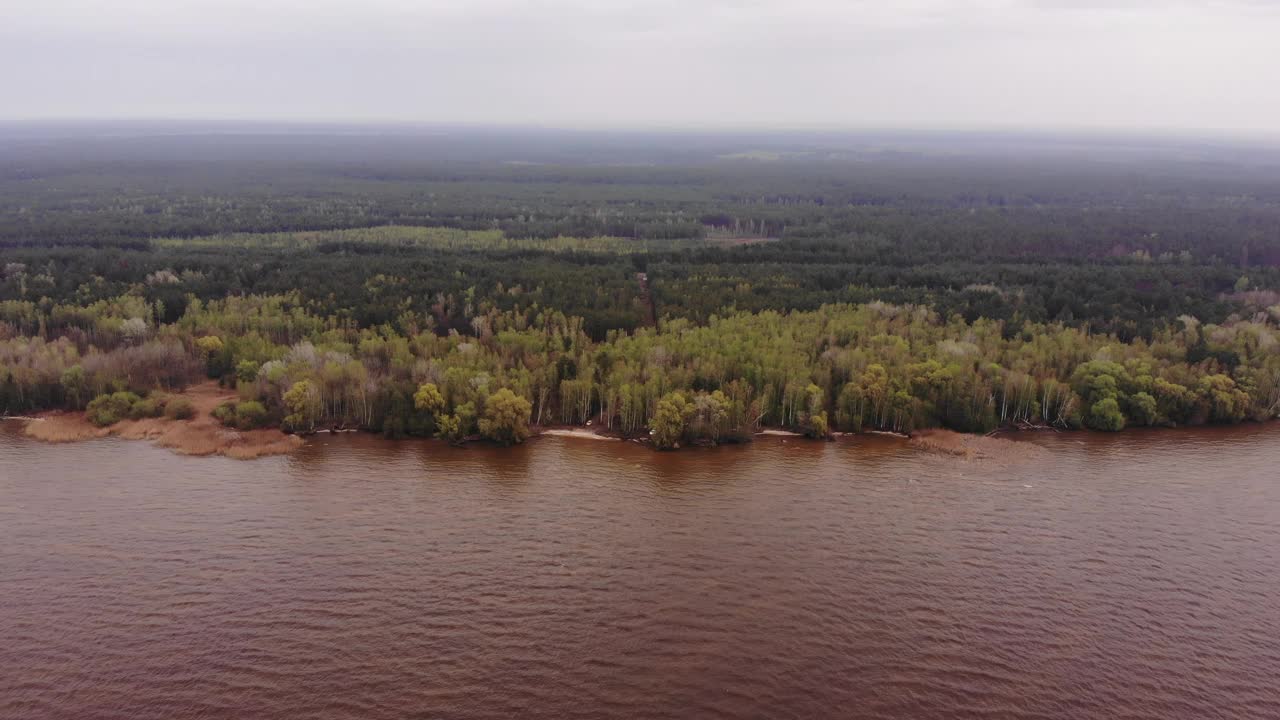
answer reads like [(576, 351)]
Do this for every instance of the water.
[(1133, 576)]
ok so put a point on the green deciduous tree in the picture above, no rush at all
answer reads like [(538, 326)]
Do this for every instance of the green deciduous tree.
[(669, 422), (1105, 415), (304, 406), (110, 409), (76, 385), (428, 398), (506, 418)]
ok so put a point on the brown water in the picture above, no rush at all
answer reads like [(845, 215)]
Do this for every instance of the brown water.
[(1135, 576)]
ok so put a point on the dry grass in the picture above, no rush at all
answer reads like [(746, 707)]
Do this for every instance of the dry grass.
[(60, 427), (201, 435)]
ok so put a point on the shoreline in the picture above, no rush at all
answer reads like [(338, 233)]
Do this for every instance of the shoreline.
[(202, 435), (582, 433)]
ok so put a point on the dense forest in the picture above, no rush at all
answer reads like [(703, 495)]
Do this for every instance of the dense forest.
[(462, 282)]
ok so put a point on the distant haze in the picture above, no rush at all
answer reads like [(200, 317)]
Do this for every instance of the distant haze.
[(1127, 64)]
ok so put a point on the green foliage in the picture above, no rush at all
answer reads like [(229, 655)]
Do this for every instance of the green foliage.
[(667, 428), (304, 406), (428, 398), (213, 350), (225, 413), (1175, 403), (1226, 402), (247, 371), (506, 418), (874, 366), (250, 415), (179, 408), (110, 409), (75, 384), (149, 407), (450, 427), (393, 413), (209, 344), (1143, 409), (1105, 415), (713, 417), (466, 415), (245, 415), (817, 426)]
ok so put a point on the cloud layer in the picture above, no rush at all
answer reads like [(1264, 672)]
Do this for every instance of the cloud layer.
[(830, 63)]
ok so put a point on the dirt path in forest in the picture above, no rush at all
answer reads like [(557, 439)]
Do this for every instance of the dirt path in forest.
[(646, 297)]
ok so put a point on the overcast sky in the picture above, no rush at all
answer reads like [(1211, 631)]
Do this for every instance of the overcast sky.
[(1211, 64)]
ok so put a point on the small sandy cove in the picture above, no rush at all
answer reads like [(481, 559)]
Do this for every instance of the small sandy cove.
[(201, 435)]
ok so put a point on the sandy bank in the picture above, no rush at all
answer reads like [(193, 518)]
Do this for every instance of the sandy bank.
[(779, 433), (949, 442), (576, 433), (201, 435)]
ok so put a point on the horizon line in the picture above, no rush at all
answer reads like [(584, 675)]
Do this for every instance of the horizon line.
[(1154, 132)]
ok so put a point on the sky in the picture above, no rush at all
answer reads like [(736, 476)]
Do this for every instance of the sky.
[(1032, 64)]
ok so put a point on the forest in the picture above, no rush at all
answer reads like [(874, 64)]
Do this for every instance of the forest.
[(683, 288)]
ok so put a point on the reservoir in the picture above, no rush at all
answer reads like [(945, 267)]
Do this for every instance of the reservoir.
[(1084, 575)]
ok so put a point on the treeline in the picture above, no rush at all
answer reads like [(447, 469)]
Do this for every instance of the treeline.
[(839, 368), (373, 275)]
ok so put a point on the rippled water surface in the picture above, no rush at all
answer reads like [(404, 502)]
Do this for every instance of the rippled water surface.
[(1135, 576)]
